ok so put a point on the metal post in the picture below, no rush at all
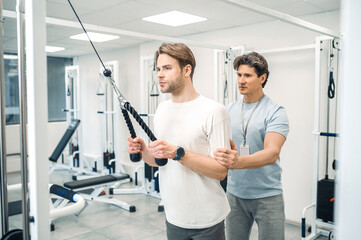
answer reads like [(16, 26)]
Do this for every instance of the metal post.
[(23, 115), (3, 173), (37, 118)]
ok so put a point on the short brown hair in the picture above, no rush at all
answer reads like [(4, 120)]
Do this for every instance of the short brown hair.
[(255, 60), (178, 51)]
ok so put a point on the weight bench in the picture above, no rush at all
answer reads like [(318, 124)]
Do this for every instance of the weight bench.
[(74, 163), (99, 184)]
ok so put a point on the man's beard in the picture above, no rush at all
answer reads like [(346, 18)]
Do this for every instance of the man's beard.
[(174, 85)]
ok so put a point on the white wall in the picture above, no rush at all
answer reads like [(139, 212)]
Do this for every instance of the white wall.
[(55, 132)]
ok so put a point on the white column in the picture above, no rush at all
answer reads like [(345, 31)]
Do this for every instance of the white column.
[(37, 118), (348, 187)]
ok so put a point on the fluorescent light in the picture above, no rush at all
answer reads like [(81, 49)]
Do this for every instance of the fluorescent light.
[(53, 49), (95, 37), (174, 18), (9, 56)]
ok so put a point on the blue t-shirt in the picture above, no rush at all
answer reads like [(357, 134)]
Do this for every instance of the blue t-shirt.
[(268, 117)]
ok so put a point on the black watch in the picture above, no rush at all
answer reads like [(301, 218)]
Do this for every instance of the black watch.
[(179, 154)]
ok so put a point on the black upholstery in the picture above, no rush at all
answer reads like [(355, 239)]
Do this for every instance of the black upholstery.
[(95, 181), (64, 140)]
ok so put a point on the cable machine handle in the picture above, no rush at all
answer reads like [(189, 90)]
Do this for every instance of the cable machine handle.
[(125, 105), (331, 86), (158, 161), (134, 157)]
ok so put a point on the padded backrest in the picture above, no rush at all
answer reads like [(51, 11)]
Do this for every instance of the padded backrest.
[(64, 140)]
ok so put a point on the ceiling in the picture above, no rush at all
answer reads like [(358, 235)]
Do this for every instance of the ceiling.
[(127, 15)]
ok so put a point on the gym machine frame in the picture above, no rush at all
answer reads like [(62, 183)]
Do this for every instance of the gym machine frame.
[(226, 85), (318, 226), (76, 162)]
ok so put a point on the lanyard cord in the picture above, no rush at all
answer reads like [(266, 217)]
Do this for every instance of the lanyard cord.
[(244, 129)]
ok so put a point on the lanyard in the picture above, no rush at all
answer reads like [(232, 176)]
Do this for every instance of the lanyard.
[(244, 129)]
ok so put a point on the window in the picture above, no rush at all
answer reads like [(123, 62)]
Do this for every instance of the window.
[(11, 89), (56, 88)]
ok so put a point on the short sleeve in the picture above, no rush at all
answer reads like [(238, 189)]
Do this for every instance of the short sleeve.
[(278, 122)]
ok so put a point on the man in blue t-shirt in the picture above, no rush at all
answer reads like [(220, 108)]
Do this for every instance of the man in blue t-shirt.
[(259, 130)]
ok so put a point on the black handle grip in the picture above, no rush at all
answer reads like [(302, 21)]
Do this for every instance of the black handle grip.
[(62, 192), (135, 157), (161, 161), (143, 125)]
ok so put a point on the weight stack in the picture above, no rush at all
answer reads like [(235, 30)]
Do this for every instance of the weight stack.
[(325, 199)]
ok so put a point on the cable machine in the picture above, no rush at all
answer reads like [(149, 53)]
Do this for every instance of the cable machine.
[(108, 117), (76, 162), (325, 139), (150, 98), (227, 89), (72, 109)]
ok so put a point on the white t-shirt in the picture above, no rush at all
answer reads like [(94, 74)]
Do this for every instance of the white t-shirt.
[(192, 200)]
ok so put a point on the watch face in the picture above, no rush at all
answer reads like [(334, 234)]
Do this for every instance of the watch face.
[(180, 153)]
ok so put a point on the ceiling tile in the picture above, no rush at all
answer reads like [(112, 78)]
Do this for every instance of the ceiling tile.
[(64, 11), (94, 5), (326, 5), (175, 5), (134, 10), (175, 32), (105, 18), (298, 8), (141, 26)]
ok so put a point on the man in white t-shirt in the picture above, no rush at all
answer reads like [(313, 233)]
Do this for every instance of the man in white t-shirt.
[(190, 128)]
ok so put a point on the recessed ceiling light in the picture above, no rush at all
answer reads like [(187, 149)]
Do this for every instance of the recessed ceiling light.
[(53, 49), (174, 18), (95, 37)]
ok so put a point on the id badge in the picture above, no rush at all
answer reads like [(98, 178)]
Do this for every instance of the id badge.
[(244, 150)]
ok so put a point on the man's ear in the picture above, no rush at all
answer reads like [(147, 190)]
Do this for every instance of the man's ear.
[(263, 77), (187, 70)]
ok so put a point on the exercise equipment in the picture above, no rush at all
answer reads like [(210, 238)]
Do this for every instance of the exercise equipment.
[(17, 233), (99, 184), (108, 116), (76, 159), (227, 87), (72, 109), (64, 141), (147, 175), (57, 211), (124, 104), (326, 59)]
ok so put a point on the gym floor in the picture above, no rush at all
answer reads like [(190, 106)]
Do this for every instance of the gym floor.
[(101, 221)]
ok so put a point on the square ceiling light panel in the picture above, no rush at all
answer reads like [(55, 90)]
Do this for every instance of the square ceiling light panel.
[(53, 49), (174, 18), (95, 37)]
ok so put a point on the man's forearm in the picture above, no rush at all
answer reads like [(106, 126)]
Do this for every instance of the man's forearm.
[(257, 160), (203, 165)]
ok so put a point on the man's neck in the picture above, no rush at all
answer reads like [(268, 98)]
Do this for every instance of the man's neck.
[(185, 96), (253, 98), (188, 93)]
